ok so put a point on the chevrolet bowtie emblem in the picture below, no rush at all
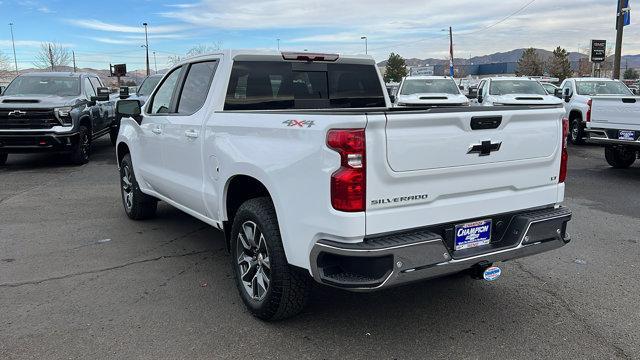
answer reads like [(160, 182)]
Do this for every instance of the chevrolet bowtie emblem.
[(17, 113), (485, 148)]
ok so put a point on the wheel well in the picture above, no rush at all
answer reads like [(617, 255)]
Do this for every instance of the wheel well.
[(240, 189), (123, 150), (86, 121), (575, 114)]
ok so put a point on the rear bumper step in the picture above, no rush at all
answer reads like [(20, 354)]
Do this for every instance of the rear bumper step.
[(395, 259), (609, 137)]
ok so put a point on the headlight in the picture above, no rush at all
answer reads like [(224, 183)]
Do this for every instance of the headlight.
[(63, 114)]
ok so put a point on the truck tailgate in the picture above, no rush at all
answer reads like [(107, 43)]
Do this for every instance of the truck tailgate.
[(442, 166), (615, 112)]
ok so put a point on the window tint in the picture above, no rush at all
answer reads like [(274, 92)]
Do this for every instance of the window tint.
[(161, 103), (280, 85), (44, 85), (148, 85), (95, 82), (602, 88), (196, 87), (89, 91), (429, 86), (504, 87)]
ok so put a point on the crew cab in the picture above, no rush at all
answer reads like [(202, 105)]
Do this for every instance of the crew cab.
[(430, 91), (55, 112), (578, 95), (499, 91), (301, 160)]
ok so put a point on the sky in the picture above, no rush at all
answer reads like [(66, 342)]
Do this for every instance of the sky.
[(111, 31)]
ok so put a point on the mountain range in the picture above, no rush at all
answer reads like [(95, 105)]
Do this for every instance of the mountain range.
[(632, 61)]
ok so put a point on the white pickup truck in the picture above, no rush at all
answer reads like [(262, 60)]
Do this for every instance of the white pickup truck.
[(311, 173), (504, 91), (604, 112), (430, 91)]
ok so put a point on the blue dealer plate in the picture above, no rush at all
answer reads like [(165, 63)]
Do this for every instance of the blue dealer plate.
[(473, 234), (628, 135)]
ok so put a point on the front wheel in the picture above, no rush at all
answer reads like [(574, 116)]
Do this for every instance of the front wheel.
[(137, 205), (82, 149), (620, 157), (576, 132), (270, 288)]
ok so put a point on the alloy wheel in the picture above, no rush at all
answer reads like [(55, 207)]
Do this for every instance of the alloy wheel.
[(253, 261), (127, 187)]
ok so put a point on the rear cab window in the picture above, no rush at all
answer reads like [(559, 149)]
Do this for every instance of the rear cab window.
[(283, 85)]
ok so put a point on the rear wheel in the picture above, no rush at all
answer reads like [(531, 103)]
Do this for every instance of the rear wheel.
[(137, 205), (82, 149), (576, 132), (620, 157), (3, 158), (270, 288)]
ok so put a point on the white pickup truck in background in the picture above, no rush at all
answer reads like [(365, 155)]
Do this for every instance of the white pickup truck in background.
[(501, 91), (311, 173), (616, 108), (430, 91)]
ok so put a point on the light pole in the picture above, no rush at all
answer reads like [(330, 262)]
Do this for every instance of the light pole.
[(146, 40), (13, 42), (155, 63), (278, 44), (366, 44), (451, 69)]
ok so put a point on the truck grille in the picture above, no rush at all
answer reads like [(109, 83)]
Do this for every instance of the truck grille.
[(27, 119)]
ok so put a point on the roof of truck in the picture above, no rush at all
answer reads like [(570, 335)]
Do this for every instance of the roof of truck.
[(592, 79), (58, 74), (426, 77), (258, 55)]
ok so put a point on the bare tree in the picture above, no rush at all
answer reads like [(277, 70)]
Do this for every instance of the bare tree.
[(52, 56), (4, 64), (197, 50)]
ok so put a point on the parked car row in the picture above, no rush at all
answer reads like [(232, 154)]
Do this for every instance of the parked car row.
[(59, 112)]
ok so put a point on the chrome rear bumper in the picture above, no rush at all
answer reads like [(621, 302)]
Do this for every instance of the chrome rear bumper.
[(421, 254)]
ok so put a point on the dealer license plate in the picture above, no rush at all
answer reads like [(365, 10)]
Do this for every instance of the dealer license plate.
[(473, 234), (627, 135)]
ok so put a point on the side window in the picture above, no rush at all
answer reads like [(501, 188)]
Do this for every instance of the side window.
[(196, 87), (89, 91), (95, 82), (161, 103)]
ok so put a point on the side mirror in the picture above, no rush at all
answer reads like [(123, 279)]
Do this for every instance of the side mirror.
[(567, 95), (128, 108), (480, 98), (461, 87), (392, 98), (124, 92), (557, 93), (473, 93), (103, 94)]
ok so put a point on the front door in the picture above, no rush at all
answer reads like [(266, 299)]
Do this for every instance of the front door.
[(155, 117)]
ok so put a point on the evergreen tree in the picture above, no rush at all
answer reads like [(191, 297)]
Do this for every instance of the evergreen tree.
[(396, 68), (530, 64), (559, 65)]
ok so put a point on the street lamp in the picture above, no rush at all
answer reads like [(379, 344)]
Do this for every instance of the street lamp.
[(15, 60), (155, 63), (366, 44), (146, 40), (278, 44)]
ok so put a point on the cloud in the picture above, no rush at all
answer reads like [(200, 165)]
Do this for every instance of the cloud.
[(182, 6), (94, 24), (30, 43)]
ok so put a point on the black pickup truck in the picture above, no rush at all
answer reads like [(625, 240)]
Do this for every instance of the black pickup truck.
[(55, 112)]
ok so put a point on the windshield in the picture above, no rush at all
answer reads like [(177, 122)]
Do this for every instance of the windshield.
[(551, 89), (504, 87), (148, 85), (429, 86), (602, 88), (44, 85)]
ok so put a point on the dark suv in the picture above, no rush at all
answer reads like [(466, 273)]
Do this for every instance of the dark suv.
[(55, 112)]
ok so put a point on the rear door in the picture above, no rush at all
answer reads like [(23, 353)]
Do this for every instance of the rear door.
[(616, 112), (183, 137), (442, 165)]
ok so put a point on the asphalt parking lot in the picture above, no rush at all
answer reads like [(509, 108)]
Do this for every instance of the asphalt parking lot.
[(78, 279)]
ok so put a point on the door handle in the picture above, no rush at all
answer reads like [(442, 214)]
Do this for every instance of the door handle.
[(192, 134), (157, 131)]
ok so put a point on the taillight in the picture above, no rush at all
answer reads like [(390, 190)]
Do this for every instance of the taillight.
[(588, 117), (348, 184), (305, 56), (565, 154)]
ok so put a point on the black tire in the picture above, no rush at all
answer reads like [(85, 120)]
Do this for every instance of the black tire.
[(137, 205), (576, 132), (3, 158), (620, 157), (113, 134), (82, 149), (288, 288)]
